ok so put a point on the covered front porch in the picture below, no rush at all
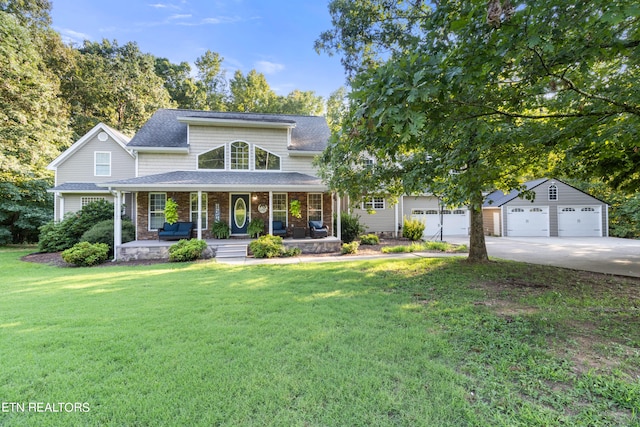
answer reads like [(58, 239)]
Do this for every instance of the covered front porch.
[(159, 249)]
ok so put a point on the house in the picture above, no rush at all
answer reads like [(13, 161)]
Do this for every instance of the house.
[(231, 167), (101, 155), (558, 210)]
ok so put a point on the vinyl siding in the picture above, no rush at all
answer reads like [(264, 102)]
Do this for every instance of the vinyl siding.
[(205, 138), (80, 166), (567, 196), (73, 203)]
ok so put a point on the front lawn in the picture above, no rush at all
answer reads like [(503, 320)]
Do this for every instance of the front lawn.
[(419, 342)]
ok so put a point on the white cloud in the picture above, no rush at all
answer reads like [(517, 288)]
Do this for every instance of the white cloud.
[(267, 67), (164, 6), (179, 17), (73, 37)]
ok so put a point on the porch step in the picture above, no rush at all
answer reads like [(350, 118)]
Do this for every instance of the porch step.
[(233, 250)]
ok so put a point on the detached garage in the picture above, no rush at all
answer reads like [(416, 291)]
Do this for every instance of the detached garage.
[(558, 210)]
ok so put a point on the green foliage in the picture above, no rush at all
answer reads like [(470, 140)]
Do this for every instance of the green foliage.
[(58, 236), (412, 229), (5, 236), (295, 208), (102, 232), (369, 239), (24, 207), (220, 230), (267, 246), (350, 225), (86, 254), (290, 252), (171, 211), (350, 248), (187, 250), (256, 227)]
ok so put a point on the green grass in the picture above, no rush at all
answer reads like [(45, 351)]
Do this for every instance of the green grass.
[(420, 342), (425, 246)]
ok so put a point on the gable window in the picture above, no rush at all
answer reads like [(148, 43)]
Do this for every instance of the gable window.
[(213, 159), (239, 155), (553, 192), (84, 201), (157, 202), (203, 209), (102, 161), (279, 204), (314, 206), (373, 203), (265, 160)]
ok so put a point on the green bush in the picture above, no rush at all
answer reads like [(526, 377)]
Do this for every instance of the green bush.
[(267, 246), (58, 236), (350, 248), (102, 232), (369, 239), (292, 252), (256, 227), (350, 226), (187, 250), (5, 236), (86, 254), (220, 230), (412, 229)]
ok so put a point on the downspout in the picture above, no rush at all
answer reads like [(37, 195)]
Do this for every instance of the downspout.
[(117, 224)]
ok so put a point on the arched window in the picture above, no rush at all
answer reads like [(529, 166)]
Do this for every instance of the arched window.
[(239, 155), (213, 159), (553, 192)]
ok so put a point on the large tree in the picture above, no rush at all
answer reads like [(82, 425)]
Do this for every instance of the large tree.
[(467, 96)]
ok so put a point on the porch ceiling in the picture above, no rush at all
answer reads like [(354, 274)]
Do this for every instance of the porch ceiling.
[(220, 181)]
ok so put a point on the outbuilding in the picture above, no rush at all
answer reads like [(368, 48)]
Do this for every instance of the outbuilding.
[(557, 210)]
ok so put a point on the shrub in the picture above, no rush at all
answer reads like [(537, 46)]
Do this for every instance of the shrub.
[(256, 227), (5, 236), (57, 236), (350, 248), (350, 227), (187, 250), (220, 230), (369, 239), (86, 254), (171, 211), (267, 246), (292, 252), (412, 229), (102, 232)]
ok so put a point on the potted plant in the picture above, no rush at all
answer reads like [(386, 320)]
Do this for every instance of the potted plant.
[(295, 208), (171, 211), (256, 227), (220, 230)]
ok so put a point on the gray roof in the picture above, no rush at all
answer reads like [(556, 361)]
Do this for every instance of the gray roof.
[(221, 180), (163, 130), (499, 198), (78, 187)]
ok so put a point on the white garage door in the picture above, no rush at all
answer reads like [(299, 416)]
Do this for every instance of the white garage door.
[(579, 221), (455, 222), (528, 221)]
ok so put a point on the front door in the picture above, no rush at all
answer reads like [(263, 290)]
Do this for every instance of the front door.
[(239, 213)]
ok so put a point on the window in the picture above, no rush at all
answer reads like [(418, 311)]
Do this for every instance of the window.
[(84, 201), (157, 203), (102, 163), (213, 159), (239, 155), (203, 207), (568, 210), (553, 192), (588, 210), (314, 203), (517, 210), (265, 160), (459, 212), (279, 204), (535, 210), (373, 203)]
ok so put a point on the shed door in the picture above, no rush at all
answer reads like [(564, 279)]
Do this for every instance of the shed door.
[(579, 221), (528, 221)]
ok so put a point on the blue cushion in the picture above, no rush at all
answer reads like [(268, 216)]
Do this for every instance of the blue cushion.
[(183, 227), (170, 227), (277, 225), (315, 224)]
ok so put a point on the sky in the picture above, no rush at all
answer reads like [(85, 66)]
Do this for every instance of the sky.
[(274, 37)]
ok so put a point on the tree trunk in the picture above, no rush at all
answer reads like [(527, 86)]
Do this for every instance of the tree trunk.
[(477, 245)]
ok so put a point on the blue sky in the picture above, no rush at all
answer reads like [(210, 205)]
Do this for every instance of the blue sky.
[(275, 37)]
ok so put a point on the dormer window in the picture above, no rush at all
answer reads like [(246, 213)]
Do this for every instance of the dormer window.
[(239, 155), (553, 192), (265, 160), (213, 159)]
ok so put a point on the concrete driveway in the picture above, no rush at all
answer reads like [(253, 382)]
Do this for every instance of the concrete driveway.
[(599, 254)]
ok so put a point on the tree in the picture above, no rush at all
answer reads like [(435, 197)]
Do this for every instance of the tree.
[(467, 97), (183, 89), (299, 102), (212, 78), (251, 93)]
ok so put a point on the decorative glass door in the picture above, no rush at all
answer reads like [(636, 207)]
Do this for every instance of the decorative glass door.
[(240, 213)]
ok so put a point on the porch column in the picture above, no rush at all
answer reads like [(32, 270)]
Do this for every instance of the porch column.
[(270, 213), (199, 214), (396, 217), (61, 213), (339, 218), (117, 223)]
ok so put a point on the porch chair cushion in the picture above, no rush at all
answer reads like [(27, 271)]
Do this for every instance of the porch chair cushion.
[(279, 228)]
